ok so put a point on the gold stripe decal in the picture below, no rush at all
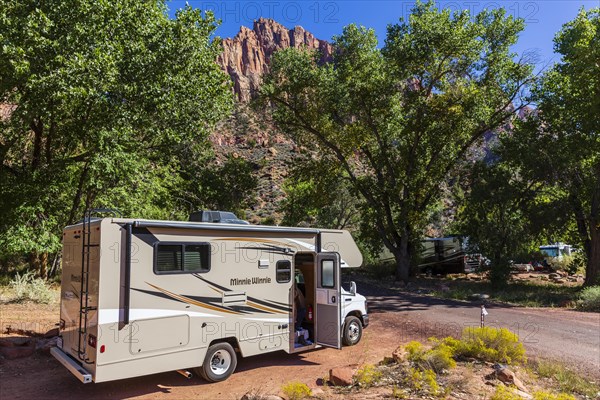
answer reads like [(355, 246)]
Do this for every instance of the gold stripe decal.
[(254, 305), (192, 301)]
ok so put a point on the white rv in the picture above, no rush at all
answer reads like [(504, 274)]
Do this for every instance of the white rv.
[(141, 296)]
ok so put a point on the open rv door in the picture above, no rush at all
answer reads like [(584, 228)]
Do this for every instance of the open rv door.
[(329, 308)]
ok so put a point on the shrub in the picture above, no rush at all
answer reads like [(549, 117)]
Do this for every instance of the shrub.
[(577, 263), (489, 344), (422, 380), (567, 380), (438, 358), (504, 393), (589, 298), (550, 396), (561, 263), (367, 376), (29, 288), (296, 390), (415, 351)]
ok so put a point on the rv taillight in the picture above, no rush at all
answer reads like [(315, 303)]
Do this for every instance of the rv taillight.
[(102, 348), (310, 313), (92, 341)]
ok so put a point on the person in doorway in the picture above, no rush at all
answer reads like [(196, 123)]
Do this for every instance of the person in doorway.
[(300, 304)]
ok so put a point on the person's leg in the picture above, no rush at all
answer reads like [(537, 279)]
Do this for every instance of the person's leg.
[(300, 313)]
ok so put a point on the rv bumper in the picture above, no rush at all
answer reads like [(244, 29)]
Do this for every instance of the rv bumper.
[(70, 364), (365, 319)]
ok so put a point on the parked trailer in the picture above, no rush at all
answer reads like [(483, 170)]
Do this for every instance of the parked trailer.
[(448, 255), (143, 296)]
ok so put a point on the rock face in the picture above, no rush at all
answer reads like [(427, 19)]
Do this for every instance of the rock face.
[(247, 56)]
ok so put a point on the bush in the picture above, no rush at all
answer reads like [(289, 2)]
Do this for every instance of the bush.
[(567, 380), (577, 263), (438, 358), (589, 298), (422, 380), (29, 288), (367, 376), (564, 263), (503, 393), (415, 351), (488, 344), (550, 396), (296, 390)]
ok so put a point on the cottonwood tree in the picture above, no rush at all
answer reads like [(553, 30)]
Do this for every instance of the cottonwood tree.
[(98, 98), (397, 119), (559, 144)]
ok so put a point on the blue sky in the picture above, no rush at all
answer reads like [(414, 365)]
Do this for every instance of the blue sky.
[(327, 18)]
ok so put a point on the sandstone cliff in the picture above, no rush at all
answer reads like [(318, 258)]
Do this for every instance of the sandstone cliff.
[(247, 56)]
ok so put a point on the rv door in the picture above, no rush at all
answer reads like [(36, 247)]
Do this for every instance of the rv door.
[(328, 312)]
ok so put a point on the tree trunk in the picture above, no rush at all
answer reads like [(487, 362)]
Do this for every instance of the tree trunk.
[(592, 269), (38, 130), (402, 256), (78, 195), (43, 265)]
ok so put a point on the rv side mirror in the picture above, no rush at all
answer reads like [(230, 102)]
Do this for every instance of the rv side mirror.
[(353, 288)]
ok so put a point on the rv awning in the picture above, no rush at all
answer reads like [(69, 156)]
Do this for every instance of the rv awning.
[(343, 243)]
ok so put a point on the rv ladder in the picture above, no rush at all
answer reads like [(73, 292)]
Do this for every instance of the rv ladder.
[(84, 308), (86, 247)]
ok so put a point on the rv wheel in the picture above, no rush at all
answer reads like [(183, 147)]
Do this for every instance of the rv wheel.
[(352, 331), (219, 363)]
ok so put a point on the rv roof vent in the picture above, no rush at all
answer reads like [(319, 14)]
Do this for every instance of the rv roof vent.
[(224, 217)]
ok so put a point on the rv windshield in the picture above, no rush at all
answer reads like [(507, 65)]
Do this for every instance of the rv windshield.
[(552, 252)]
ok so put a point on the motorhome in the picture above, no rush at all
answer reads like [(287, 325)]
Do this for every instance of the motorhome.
[(556, 250), (145, 296), (448, 255)]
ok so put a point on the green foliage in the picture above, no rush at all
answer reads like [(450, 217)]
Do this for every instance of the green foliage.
[(367, 376), (318, 194), (577, 263), (558, 145), (560, 263), (102, 105), (488, 344), (589, 299), (567, 380), (29, 288), (395, 120), (495, 216), (230, 186), (296, 390)]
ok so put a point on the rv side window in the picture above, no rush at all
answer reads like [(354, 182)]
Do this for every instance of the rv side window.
[(283, 271), (327, 274), (181, 257), (168, 257)]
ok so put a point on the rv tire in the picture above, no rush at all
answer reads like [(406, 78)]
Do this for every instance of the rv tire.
[(352, 331), (219, 363)]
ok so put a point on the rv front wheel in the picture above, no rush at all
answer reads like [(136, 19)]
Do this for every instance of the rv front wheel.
[(219, 363), (352, 331)]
